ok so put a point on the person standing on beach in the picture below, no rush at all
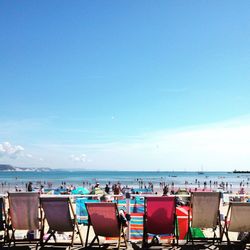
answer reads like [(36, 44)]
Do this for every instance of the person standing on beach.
[(116, 189), (165, 190), (107, 189), (30, 188)]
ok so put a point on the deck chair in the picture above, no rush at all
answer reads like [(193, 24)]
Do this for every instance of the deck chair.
[(104, 218), (60, 216), (136, 212), (204, 213), (237, 219), (159, 218), (23, 213), (3, 222)]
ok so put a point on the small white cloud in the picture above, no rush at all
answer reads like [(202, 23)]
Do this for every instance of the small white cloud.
[(10, 151), (79, 158), (29, 155)]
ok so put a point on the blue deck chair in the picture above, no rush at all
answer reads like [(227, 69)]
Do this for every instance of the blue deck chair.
[(136, 222), (137, 205)]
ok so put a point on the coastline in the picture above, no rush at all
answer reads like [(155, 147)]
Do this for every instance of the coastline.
[(224, 181)]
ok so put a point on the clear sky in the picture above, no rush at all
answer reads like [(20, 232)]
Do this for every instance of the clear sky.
[(125, 85)]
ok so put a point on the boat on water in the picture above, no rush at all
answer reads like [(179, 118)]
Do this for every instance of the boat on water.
[(241, 172), (200, 171)]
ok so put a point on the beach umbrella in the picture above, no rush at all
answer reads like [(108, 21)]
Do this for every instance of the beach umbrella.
[(80, 190)]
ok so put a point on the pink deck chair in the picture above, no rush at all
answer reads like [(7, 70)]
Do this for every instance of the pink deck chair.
[(204, 213), (23, 212), (60, 216), (159, 218), (104, 218), (237, 218)]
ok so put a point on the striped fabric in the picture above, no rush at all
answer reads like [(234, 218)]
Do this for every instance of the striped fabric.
[(136, 212), (136, 222), (136, 205), (136, 227)]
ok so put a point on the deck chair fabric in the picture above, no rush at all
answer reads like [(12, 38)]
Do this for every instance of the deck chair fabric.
[(58, 212), (205, 207), (160, 217), (237, 218), (104, 219), (136, 211), (24, 211), (23, 214), (205, 213)]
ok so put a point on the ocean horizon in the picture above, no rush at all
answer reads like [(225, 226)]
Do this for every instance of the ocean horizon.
[(130, 178)]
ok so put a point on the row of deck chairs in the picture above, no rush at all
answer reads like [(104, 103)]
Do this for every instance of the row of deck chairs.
[(204, 213), (159, 218), (29, 211)]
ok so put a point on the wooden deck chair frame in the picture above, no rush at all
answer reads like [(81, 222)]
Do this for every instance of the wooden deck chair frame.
[(235, 220), (195, 221), (96, 237), (32, 217), (69, 213), (3, 221), (145, 243)]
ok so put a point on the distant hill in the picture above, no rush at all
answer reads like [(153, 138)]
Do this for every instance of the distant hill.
[(6, 167)]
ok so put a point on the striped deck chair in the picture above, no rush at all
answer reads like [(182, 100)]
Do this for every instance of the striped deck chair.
[(237, 219), (136, 222), (204, 213), (23, 213), (60, 216), (160, 218), (104, 218)]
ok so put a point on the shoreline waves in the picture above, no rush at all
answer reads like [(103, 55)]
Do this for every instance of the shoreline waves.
[(226, 181)]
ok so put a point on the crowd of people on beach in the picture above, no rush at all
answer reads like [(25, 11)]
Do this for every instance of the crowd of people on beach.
[(116, 188)]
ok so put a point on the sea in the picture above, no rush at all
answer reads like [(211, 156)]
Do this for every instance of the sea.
[(126, 178)]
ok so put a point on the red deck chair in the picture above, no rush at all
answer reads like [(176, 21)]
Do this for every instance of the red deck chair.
[(60, 216), (104, 218), (159, 218)]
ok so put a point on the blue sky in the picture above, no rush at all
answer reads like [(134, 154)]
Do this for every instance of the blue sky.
[(135, 85)]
